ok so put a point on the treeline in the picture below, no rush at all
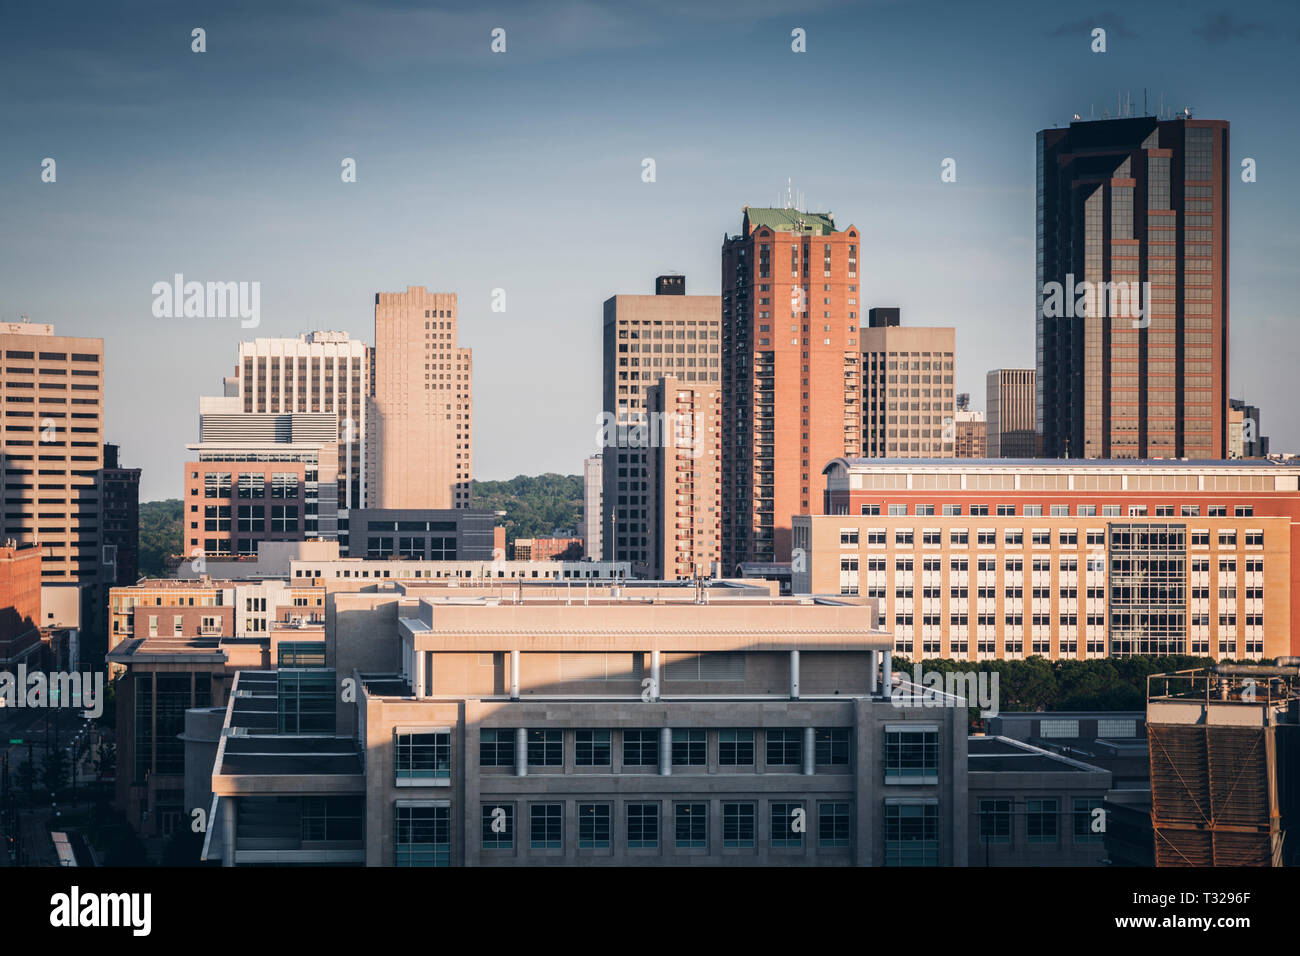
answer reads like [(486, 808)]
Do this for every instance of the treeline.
[(535, 505), (1034, 684), (161, 535)]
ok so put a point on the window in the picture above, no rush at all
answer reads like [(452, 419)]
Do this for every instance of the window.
[(736, 748), (832, 746), (995, 821), (496, 748), (911, 834), (1116, 727), (691, 825), (642, 826), (911, 754), (785, 747), (593, 826), (738, 824), (1058, 728), (640, 748), (787, 821), (423, 835), (591, 748), (546, 826), (498, 826), (1040, 821), (284, 518), (1089, 820), (689, 748), (546, 748), (833, 824), (423, 756)]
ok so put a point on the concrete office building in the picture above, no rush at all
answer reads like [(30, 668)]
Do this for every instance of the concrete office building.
[(51, 443), (646, 337), (1009, 403), (1073, 559), (685, 475), (319, 372), (434, 534), (505, 732), (791, 373), (238, 494), (908, 404), (1032, 807), (1135, 212), (592, 508), (421, 411)]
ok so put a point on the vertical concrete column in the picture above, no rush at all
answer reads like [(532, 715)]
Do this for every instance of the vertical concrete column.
[(809, 751), (665, 752), (887, 677), (794, 675), (873, 672), (229, 834), (514, 675), (654, 675), (521, 752)]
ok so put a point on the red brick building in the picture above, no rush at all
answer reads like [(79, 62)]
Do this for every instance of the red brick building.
[(20, 602), (791, 372)]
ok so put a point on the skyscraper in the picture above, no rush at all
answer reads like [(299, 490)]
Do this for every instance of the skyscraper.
[(420, 422), (1009, 400), (646, 338), (51, 443), (685, 480), (791, 373), (907, 389), (319, 372), (1133, 226)]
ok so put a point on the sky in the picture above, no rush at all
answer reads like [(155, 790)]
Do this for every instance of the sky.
[(522, 171)]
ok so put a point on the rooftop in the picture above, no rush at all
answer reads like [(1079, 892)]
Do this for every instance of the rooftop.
[(790, 220)]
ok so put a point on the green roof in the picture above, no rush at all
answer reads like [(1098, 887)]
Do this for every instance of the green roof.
[(788, 220)]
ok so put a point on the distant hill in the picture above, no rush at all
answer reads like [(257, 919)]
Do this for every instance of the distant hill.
[(535, 505), (161, 534)]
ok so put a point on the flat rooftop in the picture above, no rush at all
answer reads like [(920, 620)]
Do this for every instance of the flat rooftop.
[(1004, 755)]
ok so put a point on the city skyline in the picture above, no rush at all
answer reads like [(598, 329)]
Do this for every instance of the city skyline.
[(163, 168)]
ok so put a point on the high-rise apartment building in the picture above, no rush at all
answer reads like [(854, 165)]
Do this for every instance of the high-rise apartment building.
[(319, 372), (51, 442), (908, 407), (420, 422), (1133, 231), (685, 480), (1009, 403), (791, 372), (645, 338), (592, 510)]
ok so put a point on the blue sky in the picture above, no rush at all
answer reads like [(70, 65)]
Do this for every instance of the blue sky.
[(522, 171)]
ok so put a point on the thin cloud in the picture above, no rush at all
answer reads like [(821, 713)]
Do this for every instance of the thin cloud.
[(1113, 23), (1219, 28)]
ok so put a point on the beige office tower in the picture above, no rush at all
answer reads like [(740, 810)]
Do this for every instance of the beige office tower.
[(421, 407), (1012, 431), (646, 338), (52, 443), (685, 476), (909, 408), (319, 372)]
